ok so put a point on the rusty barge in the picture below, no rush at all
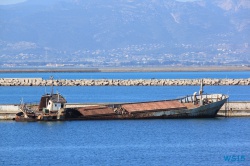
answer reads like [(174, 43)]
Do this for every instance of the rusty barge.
[(53, 107)]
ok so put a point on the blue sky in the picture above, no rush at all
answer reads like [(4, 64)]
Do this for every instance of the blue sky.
[(8, 2), (186, 0)]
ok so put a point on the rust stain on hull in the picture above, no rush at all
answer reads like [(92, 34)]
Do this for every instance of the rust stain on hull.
[(153, 106), (96, 111)]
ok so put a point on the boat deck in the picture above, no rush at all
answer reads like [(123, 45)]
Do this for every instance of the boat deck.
[(153, 106), (190, 105)]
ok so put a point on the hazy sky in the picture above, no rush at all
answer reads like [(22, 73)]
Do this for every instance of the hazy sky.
[(186, 0), (8, 2)]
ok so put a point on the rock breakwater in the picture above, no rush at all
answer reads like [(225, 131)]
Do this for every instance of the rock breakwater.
[(119, 82)]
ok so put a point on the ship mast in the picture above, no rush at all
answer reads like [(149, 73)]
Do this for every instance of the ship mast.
[(201, 92), (51, 77), (201, 87)]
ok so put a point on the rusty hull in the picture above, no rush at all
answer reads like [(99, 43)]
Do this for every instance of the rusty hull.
[(153, 106), (186, 107), (96, 111), (151, 110)]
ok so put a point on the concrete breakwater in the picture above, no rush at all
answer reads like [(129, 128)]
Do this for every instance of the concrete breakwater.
[(119, 82)]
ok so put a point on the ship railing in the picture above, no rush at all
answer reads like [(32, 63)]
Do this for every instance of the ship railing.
[(208, 97), (29, 106)]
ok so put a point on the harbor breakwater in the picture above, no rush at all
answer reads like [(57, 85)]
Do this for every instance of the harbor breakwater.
[(120, 82)]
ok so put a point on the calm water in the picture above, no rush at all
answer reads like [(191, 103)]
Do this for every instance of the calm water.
[(128, 75), (218, 141), (126, 142), (122, 94), (102, 94)]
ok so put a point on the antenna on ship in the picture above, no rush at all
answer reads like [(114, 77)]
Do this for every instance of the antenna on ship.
[(51, 77), (57, 96), (201, 92), (21, 101), (201, 88)]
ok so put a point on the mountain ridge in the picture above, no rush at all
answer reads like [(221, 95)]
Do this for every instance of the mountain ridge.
[(71, 25)]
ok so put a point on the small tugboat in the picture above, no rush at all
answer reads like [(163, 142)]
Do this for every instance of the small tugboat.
[(53, 107)]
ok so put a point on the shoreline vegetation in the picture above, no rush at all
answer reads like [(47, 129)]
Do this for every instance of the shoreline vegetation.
[(129, 69)]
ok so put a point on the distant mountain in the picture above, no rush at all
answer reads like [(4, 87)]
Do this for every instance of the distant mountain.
[(71, 25)]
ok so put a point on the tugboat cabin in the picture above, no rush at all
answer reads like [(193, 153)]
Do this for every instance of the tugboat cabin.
[(51, 103)]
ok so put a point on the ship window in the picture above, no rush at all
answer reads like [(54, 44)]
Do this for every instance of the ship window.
[(55, 105)]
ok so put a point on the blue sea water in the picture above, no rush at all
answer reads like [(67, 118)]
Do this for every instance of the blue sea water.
[(122, 93), (126, 142), (104, 94), (217, 141), (129, 75)]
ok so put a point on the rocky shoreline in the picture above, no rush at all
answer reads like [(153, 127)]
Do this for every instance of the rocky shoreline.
[(120, 82)]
